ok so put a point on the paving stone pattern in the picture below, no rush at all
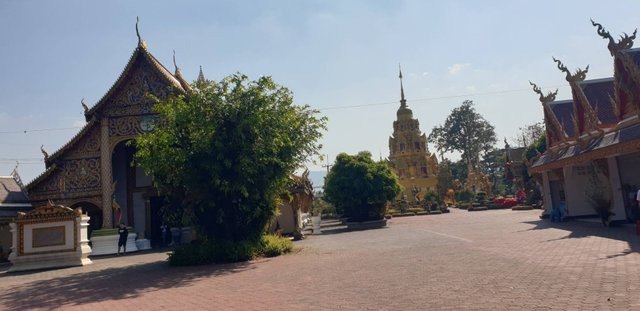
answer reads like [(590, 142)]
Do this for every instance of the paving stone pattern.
[(491, 260)]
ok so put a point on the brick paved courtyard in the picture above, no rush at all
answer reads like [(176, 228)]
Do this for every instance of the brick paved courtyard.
[(481, 260)]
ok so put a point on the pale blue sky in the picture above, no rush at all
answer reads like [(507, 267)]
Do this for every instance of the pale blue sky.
[(329, 53)]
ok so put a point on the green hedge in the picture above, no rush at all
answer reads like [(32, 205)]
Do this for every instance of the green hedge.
[(206, 252)]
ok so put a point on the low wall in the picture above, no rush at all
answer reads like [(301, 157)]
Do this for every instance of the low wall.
[(49, 237)]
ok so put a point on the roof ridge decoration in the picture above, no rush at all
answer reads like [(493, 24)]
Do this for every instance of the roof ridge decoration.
[(551, 96), (44, 153), (141, 42), (625, 42), (41, 177), (580, 74), (178, 74), (591, 117), (633, 71), (556, 127), (84, 106), (49, 158)]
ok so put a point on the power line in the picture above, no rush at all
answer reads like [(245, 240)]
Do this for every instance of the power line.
[(324, 108), (436, 98), (40, 130)]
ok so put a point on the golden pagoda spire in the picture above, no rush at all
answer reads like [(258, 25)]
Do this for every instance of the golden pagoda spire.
[(403, 102)]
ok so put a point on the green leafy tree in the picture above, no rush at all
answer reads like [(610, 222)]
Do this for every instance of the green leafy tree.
[(493, 166), (225, 150), (465, 131), (359, 187), (529, 134)]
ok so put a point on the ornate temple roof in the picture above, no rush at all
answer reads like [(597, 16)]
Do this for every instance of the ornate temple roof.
[(11, 192), (51, 158), (600, 147), (563, 111), (140, 51), (598, 93)]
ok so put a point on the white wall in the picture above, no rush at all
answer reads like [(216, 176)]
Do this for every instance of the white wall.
[(576, 179)]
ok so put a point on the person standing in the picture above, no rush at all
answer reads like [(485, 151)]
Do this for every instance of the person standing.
[(164, 231), (123, 232)]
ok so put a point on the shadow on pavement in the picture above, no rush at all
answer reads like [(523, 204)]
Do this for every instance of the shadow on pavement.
[(109, 284), (581, 229)]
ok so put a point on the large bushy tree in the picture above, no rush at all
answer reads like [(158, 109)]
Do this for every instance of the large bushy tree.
[(359, 187), (225, 150), (465, 131)]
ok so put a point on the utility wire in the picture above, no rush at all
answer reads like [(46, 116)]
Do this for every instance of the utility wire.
[(40, 130), (324, 108), (436, 98)]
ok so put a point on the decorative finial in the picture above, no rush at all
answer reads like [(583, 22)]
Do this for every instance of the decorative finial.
[(141, 42), (86, 109), (174, 62), (201, 79), (506, 144), (625, 42), (580, 74), (551, 96), (46, 155), (403, 102)]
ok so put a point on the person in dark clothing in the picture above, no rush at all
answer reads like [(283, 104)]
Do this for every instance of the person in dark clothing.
[(164, 231), (122, 241)]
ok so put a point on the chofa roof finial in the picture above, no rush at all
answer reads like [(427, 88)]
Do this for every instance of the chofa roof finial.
[(551, 96), (86, 109), (625, 42), (580, 74), (141, 42), (44, 152)]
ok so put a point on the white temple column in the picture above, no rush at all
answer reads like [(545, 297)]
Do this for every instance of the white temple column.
[(107, 179)]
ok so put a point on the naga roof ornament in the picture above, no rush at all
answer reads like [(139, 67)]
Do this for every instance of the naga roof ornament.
[(551, 96), (86, 109), (625, 42), (44, 153), (178, 74), (580, 74), (141, 42)]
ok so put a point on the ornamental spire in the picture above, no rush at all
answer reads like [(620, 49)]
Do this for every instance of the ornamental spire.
[(403, 102), (201, 78)]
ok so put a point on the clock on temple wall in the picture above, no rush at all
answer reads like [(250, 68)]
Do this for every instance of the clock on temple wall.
[(146, 123)]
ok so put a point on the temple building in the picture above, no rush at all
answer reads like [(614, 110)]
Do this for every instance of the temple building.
[(94, 169), (409, 154), (13, 199), (592, 161)]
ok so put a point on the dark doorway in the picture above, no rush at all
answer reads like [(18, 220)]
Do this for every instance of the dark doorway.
[(95, 222), (155, 220)]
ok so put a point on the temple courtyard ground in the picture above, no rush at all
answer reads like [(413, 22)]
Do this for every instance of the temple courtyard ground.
[(463, 260)]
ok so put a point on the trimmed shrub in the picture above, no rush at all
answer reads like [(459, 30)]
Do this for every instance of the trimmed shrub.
[(207, 252), (465, 196), (273, 245)]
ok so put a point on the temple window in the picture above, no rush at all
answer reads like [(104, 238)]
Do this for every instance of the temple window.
[(417, 145), (423, 170), (402, 147)]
